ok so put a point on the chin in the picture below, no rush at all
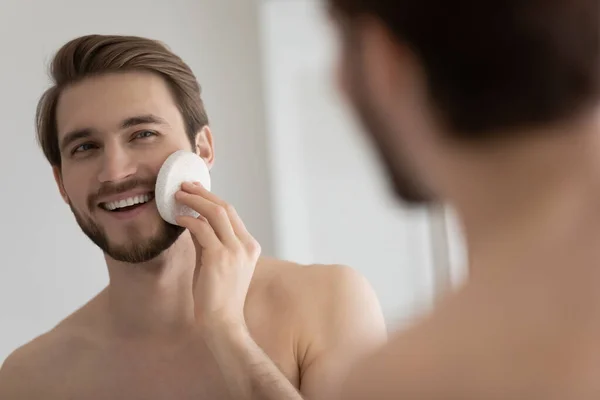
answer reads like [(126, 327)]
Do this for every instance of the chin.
[(139, 251), (133, 244)]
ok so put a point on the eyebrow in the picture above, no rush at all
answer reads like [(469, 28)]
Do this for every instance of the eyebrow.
[(141, 120), (130, 122)]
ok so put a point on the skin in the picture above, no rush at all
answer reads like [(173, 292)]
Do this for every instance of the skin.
[(208, 318), (526, 323)]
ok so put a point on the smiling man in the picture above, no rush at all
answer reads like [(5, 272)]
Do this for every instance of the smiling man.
[(191, 311)]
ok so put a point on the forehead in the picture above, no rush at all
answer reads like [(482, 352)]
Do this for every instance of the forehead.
[(102, 103)]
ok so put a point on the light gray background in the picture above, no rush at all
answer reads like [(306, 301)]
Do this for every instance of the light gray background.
[(289, 156)]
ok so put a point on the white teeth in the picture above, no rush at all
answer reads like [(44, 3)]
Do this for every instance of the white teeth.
[(113, 205)]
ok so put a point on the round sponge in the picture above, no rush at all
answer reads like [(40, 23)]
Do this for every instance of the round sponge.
[(181, 166)]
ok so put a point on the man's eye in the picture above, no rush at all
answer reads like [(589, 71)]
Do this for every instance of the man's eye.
[(83, 147), (144, 134)]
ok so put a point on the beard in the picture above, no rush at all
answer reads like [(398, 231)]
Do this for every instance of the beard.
[(405, 183), (139, 247)]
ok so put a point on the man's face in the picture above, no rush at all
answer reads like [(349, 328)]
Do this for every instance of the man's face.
[(379, 118), (114, 133)]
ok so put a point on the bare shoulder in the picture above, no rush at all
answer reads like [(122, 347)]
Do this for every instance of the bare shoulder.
[(333, 313), (27, 372), (21, 371), (318, 294), (36, 369), (307, 284)]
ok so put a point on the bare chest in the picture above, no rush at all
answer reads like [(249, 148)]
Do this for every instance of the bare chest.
[(179, 379), (190, 374)]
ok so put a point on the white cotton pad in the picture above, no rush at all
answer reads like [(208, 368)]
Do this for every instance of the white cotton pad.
[(181, 166)]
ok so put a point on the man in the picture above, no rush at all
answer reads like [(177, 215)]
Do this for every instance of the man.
[(493, 107), (191, 312)]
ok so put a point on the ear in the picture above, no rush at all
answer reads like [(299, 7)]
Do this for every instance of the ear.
[(59, 182), (388, 63), (204, 146)]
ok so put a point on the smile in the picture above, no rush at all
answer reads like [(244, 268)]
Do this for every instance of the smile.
[(128, 203)]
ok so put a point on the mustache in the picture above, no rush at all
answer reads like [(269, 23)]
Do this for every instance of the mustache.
[(110, 189)]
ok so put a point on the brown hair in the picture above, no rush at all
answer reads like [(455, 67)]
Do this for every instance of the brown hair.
[(93, 55), (495, 65)]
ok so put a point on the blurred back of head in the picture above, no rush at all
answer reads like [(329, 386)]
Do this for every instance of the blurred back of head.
[(493, 66)]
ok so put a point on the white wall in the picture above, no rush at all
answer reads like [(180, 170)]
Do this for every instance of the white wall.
[(48, 267)]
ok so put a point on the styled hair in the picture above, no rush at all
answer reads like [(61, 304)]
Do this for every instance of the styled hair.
[(94, 55), (495, 65)]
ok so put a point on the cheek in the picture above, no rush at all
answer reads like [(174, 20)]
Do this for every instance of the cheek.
[(153, 166), (156, 159), (75, 188)]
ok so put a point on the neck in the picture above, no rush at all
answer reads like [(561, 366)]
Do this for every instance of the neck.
[(535, 209), (153, 298)]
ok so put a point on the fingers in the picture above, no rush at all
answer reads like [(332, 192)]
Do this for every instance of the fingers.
[(218, 220), (215, 215), (236, 222), (203, 233)]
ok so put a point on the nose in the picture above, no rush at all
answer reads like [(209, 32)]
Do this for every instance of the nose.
[(116, 165)]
